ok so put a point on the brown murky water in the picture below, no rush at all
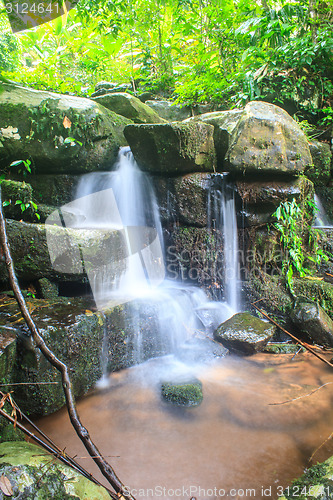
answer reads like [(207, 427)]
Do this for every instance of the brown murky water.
[(234, 445)]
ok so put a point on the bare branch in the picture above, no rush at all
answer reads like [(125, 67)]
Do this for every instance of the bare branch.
[(81, 431)]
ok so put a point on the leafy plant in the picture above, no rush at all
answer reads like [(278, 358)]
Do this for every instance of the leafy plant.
[(24, 169), (300, 241)]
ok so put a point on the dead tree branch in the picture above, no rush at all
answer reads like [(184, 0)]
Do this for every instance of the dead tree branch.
[(298, 341), (81, 431)]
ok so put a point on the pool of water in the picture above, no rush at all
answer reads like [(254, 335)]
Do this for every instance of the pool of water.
[(236, 444)]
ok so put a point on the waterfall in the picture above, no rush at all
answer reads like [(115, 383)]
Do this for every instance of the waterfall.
[(123, 200), (222, 218), (321, 219)]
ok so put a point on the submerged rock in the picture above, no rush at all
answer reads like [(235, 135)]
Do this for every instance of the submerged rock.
[(186, 393), (314, 484), (266, 139), (312, 320), (244, 333), (129, 106), (32, 473), (36, 124), (173, 148), (196, 350)]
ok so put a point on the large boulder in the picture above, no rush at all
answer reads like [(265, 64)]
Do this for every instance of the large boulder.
[(266, 139), (224, 123), (55, 252), (36, 124), (29, 472), (244, 333), (312, 320), (169, 110), (173, 148), (129, 106)]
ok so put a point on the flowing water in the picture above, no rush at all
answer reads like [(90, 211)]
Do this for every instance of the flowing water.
[(124, 200), (236, 444), (222, 217), (321, 220)]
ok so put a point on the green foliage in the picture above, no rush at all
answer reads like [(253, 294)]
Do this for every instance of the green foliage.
[(24, 168), (222, 51), (298, 238)]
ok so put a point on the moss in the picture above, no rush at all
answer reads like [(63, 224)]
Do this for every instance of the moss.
[(183, 394), (34, 474), (316, 290), (316, 483)]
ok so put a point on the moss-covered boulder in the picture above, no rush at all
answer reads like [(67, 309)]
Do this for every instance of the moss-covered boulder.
[(244, 333), (315, 484), (53, 252), (75, 335), (224, 122), (184, 393), (267, 140), (313, 321), (174, 148), (31, 473), (260, 199), (129, 106), (316, 290), (36, 124), (320, 171), (53, 190), (18, 200)]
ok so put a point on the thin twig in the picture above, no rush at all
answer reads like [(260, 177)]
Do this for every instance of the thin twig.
[(306, 346), (300, 397), (319, 447), (81, 431), (29, 383)]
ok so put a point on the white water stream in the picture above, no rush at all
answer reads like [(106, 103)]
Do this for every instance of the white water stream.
[(124, 200)]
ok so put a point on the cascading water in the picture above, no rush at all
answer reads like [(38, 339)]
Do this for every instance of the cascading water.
[(222, 218), (321, 219), (175, 312)]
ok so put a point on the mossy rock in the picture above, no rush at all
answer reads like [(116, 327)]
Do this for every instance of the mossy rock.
[(316, 290), (315, 484), (183, 393), (312, 320), (14, 192), (269, 141), (34, 474), (320, 172), (224, 122), (283, 348), (174, 148), (35, 124), (244, 333), (129, 106)]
